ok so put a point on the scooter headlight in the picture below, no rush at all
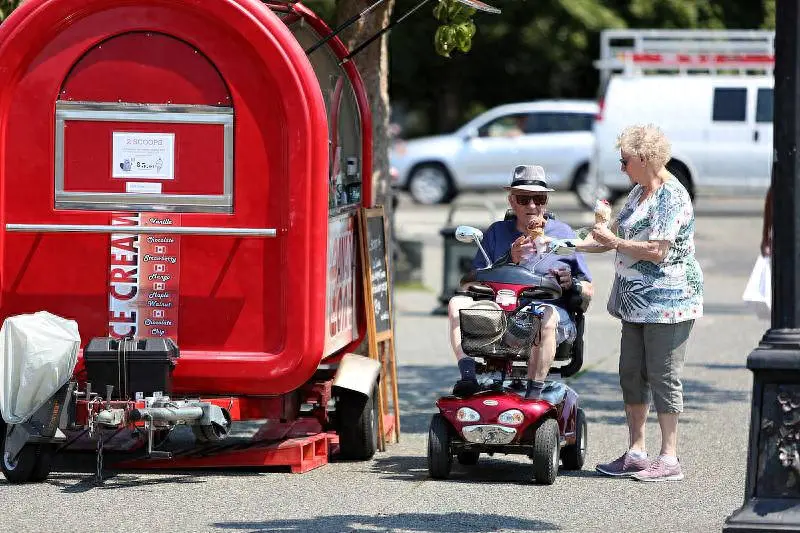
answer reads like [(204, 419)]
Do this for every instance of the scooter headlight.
[(512, 417), (466, 414)]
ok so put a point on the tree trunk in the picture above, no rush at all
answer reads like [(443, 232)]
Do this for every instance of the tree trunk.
[(7, 6), (373, 64)]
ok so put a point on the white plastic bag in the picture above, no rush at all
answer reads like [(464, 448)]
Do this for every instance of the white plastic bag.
[(39, 352), (758, 292)]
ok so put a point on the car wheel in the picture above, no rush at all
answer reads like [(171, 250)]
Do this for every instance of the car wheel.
[(574, 455), (440, 460), (430, 184), (545, 453), (587, 189), (677, 170)]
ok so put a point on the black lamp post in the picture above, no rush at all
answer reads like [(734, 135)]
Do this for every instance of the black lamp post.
[(772, 490)]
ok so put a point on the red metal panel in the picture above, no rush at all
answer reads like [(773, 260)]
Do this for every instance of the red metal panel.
[(252, 311), (147, 68), (199, 161)]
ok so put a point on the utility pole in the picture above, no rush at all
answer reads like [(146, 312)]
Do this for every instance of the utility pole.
[(772, 489)]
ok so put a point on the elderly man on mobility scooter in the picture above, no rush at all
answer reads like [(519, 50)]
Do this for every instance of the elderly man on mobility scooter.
[(512, 241), (529, 298)]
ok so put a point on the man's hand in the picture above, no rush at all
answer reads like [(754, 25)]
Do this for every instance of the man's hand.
[(520, 247), (564, 277)]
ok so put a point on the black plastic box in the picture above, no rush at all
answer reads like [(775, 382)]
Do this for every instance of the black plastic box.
[(130, 365)]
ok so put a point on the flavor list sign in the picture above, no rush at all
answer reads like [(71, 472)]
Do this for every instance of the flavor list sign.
[(144, 278), (341, 294)]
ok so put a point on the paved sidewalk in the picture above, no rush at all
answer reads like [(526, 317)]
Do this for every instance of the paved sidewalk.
[(392, 493)]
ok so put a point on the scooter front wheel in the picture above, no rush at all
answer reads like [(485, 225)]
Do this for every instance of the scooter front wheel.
[(545, 453), (440, 459)]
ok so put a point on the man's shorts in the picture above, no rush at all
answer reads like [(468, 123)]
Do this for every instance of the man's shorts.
[(566, 329)]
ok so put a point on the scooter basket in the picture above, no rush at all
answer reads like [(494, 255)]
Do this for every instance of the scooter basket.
[(494, 333)]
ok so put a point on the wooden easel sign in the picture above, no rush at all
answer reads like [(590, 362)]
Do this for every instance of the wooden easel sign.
[(378, 303)]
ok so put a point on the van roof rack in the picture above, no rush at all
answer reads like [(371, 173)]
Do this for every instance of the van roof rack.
[(685, 52)]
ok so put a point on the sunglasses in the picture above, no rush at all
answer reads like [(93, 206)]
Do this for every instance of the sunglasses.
[(624, 163), (524, 199)]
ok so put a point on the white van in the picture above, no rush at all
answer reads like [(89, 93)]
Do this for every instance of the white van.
[(718, 118)]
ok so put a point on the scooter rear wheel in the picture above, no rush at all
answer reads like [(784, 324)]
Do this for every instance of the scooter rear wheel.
[(440, 460), (574, 455), (545, 453)]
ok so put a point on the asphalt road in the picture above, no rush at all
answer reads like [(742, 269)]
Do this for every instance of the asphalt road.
[(393, 492)]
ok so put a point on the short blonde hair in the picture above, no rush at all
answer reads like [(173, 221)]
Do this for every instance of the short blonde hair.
[(646, 141)]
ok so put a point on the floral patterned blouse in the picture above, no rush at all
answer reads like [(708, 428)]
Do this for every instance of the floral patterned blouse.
[(670, 291)]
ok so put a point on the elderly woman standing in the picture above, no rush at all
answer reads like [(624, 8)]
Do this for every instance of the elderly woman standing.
[(657, 294)]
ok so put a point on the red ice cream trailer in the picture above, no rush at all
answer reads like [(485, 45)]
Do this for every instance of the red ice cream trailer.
[(183, 173)]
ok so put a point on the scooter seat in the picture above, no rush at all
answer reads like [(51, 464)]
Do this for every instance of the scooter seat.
[(554, 392)]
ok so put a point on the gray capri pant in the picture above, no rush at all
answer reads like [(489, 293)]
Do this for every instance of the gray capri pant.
[(651, 360)]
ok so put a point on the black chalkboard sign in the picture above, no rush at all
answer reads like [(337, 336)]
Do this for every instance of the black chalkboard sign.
[(376, 274)]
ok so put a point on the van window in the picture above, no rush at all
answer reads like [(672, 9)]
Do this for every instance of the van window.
[(764, 105), (730, 105), (558, 122)]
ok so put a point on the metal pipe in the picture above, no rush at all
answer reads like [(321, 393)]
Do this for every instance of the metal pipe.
[(135, 230), (485, 255), (167, 414)]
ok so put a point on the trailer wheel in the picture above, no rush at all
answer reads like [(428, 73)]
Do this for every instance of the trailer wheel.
[(357, 425), (32, 464)]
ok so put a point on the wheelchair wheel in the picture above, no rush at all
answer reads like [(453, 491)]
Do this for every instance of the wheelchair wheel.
[(468, 458), (545, 453), (440, 460), (574, 455)]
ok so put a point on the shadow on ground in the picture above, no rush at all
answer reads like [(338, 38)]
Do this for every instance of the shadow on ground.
[(442, 523), (503, 470), (599, 395), (73, 473)]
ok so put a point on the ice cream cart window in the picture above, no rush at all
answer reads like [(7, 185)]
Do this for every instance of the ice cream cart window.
[(344, 123), (137, 157)]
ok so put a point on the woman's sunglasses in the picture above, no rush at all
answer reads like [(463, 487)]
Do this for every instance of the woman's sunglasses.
[(624, 163), (524, 199)]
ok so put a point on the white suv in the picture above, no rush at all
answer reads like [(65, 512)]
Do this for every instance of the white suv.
[(556, 134)]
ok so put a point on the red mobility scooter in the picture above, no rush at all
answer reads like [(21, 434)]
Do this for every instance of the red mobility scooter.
[(499, 334)]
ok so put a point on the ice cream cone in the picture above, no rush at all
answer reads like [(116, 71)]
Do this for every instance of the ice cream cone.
[(602, 212), (535, 228)]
